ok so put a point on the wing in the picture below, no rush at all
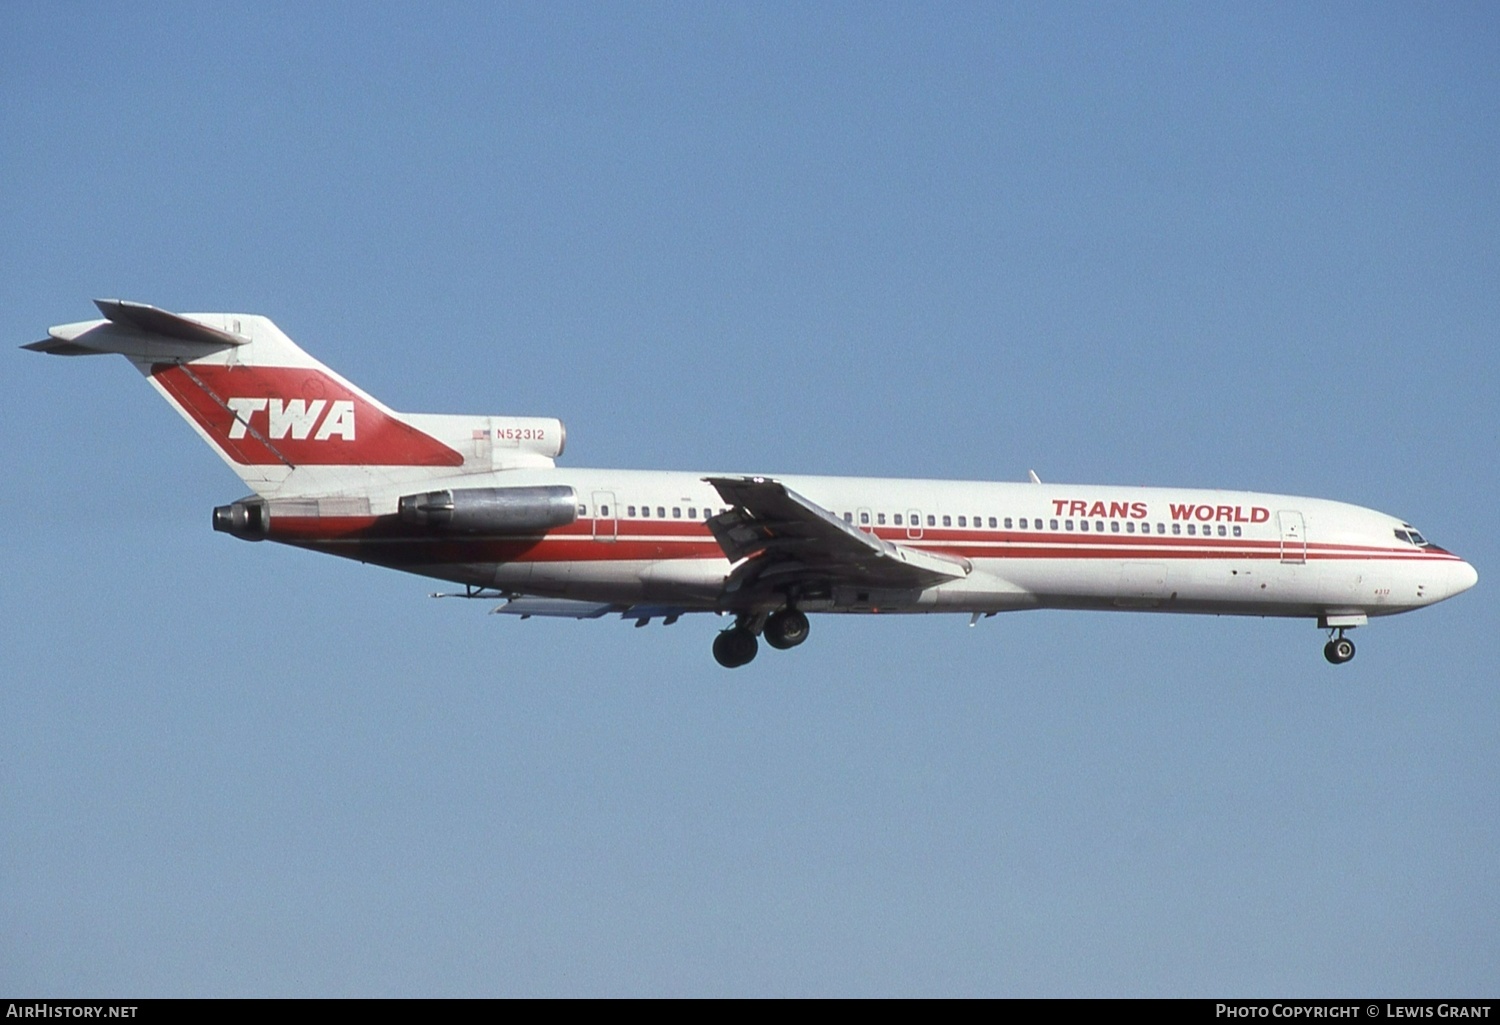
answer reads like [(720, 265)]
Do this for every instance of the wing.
[(789, 542)]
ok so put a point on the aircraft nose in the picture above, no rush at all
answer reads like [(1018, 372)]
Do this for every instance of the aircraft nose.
[(1464, 577)]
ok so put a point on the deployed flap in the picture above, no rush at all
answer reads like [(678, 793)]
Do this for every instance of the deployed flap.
[(527, 606), (561, 608), (790, 539)]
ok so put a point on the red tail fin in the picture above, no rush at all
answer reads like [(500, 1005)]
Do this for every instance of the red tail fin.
[(295, 416), (283, 421)]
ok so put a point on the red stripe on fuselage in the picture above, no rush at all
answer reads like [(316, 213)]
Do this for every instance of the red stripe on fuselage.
[(690, 540)]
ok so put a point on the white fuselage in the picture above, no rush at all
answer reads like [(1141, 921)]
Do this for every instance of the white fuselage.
[(640, 538)]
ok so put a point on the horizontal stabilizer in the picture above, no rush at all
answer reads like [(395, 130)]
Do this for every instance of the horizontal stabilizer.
[(140, 332), (61, 347), (153, 321)]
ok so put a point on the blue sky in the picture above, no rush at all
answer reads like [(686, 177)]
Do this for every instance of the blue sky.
[(1227, 245)]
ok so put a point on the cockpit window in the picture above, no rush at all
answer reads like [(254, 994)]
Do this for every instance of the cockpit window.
[(1411, 536)]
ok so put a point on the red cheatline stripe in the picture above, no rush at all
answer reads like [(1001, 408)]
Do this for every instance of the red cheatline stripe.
[(578, 542), (946, 540)]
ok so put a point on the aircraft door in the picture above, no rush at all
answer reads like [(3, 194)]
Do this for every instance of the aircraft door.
[(864, 520), (1293, 536), (914, 524), (606, 517)]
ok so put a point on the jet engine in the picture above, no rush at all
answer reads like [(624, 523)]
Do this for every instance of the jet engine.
[(249, 518), (522, 510)]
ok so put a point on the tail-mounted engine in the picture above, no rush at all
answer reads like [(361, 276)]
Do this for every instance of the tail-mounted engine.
[(249, 518), (492, 510)]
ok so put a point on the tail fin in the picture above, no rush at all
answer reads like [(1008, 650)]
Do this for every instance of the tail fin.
[(284, 422)]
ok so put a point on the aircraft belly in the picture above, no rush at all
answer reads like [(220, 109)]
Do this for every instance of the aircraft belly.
[(671, 579), (611, 581), (1223, 586), (983, 590), (1142, 585)]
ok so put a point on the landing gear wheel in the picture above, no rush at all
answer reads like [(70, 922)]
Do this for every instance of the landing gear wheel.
[(1339, 650), (786, 629), (735, 647)]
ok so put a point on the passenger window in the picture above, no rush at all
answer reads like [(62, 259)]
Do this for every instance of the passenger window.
[(676, 512), (864, 518), (1007, 522), (1176, 528), (583, 510), (1099, 527), (1068, 524), (1114, 526), (1054, 524), (963, 521), (1082, 525), (1130, 526), (692, 513), (1161, 528), (630, 511), (947, 521), (661, 512), (848, 517), (931, 520), (992, 522), (880, 518), (897, 519), (604, 510), (1237, 530), (1222, 531), (646, 511)]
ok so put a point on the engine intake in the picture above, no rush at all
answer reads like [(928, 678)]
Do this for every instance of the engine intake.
[(492, 510)]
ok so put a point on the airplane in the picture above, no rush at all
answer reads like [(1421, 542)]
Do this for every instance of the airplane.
[(480, 501)]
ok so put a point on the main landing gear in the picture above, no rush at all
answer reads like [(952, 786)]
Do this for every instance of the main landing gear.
[(1339, 649), (737, 646), (786, 629)]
